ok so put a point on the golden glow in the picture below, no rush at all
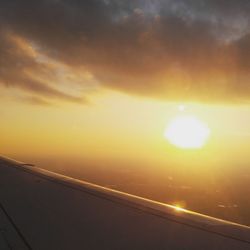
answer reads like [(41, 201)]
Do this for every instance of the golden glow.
[(187, 132), (178, 208), (121, 127)]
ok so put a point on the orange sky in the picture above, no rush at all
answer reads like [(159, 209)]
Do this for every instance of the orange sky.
[(118, 125)]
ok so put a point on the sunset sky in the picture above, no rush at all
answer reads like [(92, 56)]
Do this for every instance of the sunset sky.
[(110, 74), (101, 80)]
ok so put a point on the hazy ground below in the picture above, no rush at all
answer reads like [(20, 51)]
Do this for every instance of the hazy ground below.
[(224, 195)]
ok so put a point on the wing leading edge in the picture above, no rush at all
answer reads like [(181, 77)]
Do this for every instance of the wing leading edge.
[(51, 211)]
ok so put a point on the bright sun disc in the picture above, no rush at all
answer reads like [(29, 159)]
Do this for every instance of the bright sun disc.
[(187, 132)]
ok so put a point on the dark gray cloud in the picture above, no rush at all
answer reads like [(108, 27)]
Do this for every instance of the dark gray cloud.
[(16, 66), (174, 49)]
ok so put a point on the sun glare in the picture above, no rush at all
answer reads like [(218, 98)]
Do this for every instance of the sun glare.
[(178, 208), (187, 132)]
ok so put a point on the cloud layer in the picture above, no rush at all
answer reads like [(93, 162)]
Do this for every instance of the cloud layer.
[(174, 49)]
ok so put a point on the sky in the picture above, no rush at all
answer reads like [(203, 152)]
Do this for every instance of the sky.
[(61, 50), (97, 82), (108, 68)]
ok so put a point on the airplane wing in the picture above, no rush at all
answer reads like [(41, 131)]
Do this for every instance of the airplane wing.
[(43, 210)]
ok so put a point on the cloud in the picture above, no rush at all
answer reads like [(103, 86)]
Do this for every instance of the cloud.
[(19, 68), (194, 50), (35, 101)]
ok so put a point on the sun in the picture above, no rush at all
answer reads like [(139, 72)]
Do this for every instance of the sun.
[(187, 132)]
